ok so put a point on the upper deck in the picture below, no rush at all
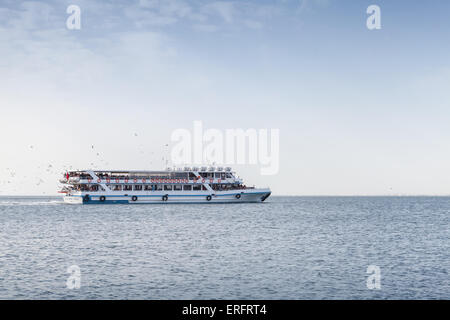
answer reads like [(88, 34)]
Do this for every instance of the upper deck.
[(180, 175)]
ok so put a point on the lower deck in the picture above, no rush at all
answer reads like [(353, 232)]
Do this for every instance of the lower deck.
[(234, 196)]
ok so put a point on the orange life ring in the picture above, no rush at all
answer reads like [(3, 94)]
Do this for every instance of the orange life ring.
[(143, 180)]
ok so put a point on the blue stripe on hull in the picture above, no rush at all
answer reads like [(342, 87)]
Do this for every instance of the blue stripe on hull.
[(106, 202), (171, 195), (247, 197)]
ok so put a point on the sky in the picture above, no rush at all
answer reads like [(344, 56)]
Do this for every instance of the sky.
[(359, 111)]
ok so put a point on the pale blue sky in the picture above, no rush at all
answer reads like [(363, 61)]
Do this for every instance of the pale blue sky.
[(359, 111)]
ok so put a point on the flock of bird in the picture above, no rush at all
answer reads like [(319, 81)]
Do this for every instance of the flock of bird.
[(12, 180)]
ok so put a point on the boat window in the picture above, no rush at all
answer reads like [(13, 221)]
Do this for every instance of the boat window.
[(177, 188), (229, 175), (187, 187), (192, 176), (217, 175), (204, 188), (178, 175), (159, 187), (127, 187), (167, 187), (196, 187), (222, 175), (117, 187), (203, 174), (138, 187), (147, 187)]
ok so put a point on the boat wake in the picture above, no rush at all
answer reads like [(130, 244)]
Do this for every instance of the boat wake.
[(30, 203)]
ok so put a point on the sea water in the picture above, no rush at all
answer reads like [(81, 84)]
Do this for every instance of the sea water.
[(284, 248)]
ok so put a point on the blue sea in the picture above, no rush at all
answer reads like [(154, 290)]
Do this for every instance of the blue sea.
[(284, 248)]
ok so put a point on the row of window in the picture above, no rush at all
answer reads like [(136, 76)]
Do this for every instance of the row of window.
[(157, 187), (172, 175), (218, 175)]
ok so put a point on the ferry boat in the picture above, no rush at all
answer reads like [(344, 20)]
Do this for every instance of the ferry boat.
[(181, 185)]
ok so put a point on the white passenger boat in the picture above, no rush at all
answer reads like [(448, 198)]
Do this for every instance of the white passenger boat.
[(183, 185)]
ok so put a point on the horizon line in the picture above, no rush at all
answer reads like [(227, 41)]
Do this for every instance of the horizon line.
[(275, 195)]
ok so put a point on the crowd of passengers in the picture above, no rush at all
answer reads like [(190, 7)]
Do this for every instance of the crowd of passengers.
[(160, 187), (173, 175)]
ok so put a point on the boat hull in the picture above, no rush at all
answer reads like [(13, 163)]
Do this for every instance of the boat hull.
[(161, 197)]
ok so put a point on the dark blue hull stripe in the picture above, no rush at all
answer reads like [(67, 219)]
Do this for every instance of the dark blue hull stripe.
[(170, 195)]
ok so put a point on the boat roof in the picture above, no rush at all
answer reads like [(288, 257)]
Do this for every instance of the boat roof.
[(148, 171)]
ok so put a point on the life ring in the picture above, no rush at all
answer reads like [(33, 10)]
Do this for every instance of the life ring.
[(208, 198), (165, 197), (89, 180), (117, 180), (108, 180), (102, 199), (126, 180), (99, 180), (86, 198), (238, 196), (135, 180), (144, 180), (134, 198)]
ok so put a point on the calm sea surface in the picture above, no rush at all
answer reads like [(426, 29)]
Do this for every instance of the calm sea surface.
[(285, 248)]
